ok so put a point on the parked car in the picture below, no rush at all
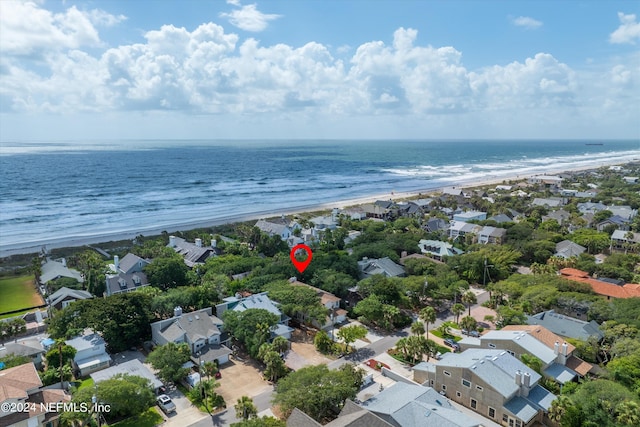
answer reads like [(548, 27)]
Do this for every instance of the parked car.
[(451, 343), (475, 334), (166, 404)]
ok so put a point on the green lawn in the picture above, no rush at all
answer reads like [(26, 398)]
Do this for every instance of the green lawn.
[(439, 334), (86, 383), (149, 418), (18, 293)]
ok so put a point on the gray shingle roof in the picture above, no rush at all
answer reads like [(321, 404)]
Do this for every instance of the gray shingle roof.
[(526, 341), (196, 325), (565, 326), (568, 249), (131, 263), (409, 405), (258, 301), (132, 367), (53, 269), (64, 293), (191, 253), (381, 266)]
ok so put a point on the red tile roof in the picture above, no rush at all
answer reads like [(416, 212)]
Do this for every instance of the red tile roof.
[(629, 290)]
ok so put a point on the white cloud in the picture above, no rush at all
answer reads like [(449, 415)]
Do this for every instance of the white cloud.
[(105, 19), (526, 22), (248, 17), (628, 31)]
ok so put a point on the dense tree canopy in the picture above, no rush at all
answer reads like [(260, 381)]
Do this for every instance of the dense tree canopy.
[(169, 359), (251, 327)]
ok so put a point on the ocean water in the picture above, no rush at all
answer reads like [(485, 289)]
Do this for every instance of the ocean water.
[(53, 191)]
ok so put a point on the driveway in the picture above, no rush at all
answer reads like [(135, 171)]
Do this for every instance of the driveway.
[(185, 414), (240, 379)]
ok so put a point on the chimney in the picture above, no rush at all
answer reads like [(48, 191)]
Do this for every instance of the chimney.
[(199, 242), (403, 254), (172, 241), (177, 312), (214, 243), (564, 349), (556, 346), (116, 262), (518, 377), (526, 384)]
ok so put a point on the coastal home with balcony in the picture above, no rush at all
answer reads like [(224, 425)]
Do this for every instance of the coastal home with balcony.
[(459, 229), (200, 330), (622, 240), (492, 383), (21, 386), (470, 216), (91, 354)]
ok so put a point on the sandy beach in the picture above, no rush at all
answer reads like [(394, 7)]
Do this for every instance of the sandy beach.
[(83, 240)]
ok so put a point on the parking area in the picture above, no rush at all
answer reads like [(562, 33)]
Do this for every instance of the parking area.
[(240, 379), (185, 413)]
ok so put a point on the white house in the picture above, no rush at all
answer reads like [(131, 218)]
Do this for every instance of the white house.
[(91, 355), (329, 301)]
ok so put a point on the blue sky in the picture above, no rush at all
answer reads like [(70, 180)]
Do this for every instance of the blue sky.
[(319, 69)]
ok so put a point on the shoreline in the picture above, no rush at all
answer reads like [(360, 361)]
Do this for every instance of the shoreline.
[(79, 241)]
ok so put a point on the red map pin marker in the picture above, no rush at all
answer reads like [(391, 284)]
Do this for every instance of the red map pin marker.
[(300, 265)]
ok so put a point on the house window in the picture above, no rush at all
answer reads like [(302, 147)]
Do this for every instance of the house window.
[(492, 345), (511, 353), (492, 412), (518, 423), (474, 403), (479, 387), (447, 373), (505, 418), (431, 382), (466, 383), (458, 394), (444, 387)]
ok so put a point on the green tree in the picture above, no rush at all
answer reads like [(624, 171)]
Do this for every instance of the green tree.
[(628, 413), (169, 359), (457, 309), (428, 315), (317, 390), (370, 309), (323, 342), (251, 327), (261, 422), (13, 360), (469, 323), (245, 408), (349, 334), (53, 355), (417, 328), (533, 362), (469, 298), (167, 272)]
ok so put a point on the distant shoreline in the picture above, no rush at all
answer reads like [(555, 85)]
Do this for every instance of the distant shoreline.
[(79, 241)]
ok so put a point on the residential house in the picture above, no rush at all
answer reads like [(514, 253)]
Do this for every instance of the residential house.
[(262, 301), (65, 296), (565, 326), (631, 179), (568, 249), (121, 283), (591, 208), (600, 286), (437, 249), (492, 235), (200, 330), (501, 218), (132, 367), (410, 405), (452, 191), (379, 210), (425, 204), (459, 229), (91, 355), (52, 270), (560, 215), (616, 221), (329, 301), (622, 240), (29, 347), (351, 415), (470, 216), (625, 212), (410, 210), (550, 202), (370, 267), (21, 386), (520, 340), (326, 221), (435, 225), (129, 264), (193, 253), (548, 181), (492, 383), (504, 187)]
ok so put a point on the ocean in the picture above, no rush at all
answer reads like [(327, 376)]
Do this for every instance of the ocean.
[(76, 190)]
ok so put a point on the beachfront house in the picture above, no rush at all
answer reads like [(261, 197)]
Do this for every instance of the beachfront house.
[(470, 216), (193, 253), (126, 276), (52, 270)]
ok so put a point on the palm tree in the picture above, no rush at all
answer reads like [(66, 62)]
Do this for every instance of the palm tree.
[(402, 347), (428, 315), (457, 309), (280, 344), (417, 328), (469, 323), (210, 369), (245, 408), (559, 408), (469, 298), (628, 413)]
